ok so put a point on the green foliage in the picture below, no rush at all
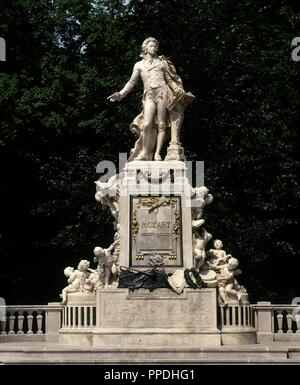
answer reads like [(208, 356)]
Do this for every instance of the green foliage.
[(64, 57)]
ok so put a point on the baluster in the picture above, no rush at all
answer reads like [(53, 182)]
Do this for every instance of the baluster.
[(280, 321), (85, 317), (297, 319), (11, 324), (66, 316), (227, 315), (239, 312), (79, 316), (39, 319), (244, 316), (250, 316), (94, 316), (74, 316), (234, 310), (247, 315), (88, 317), (29, 322), (289, 318), (20, 322), (69, 316), (63, 317), (91, 316)]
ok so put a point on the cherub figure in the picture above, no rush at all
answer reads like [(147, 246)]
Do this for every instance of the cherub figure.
[(199, 243), (200, 198), (76, 279), (106, 263), (227, 283), (217, 256), (108, 196)]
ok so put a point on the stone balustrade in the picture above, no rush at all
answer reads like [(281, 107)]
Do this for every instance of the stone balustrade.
[(232, 316), (237, 324), (271, 322), (277, 322), (78, 317), (31, 322)]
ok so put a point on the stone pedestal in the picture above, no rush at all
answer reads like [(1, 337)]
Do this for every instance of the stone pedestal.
[(155, 215), (53, 321), (156, 319), (265, 322), (155, 220)]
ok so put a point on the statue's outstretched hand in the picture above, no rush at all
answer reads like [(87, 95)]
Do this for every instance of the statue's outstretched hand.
[(115, 97)]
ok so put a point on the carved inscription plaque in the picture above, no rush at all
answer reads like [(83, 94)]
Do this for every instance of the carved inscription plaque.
[(155, 227)]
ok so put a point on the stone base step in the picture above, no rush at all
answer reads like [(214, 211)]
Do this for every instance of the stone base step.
[(203, 361), (53, 353)]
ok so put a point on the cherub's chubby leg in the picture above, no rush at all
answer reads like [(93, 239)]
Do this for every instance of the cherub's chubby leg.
[(223, 294), (66, 290), (106, 276), (230, 290), (199, 261), (148, 134), (64, 296)]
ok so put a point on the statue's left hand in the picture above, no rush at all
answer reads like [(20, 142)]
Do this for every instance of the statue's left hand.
[(115, 97), (178, 91)]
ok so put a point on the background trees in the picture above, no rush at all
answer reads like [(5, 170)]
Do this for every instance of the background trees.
[(64, 57)]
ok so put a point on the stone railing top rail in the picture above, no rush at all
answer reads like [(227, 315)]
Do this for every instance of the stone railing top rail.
[(270, 305), (55, 305)]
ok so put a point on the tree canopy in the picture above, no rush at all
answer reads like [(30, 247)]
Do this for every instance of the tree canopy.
[(64, 57)]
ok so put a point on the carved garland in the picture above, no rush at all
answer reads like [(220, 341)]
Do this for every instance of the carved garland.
[(134, 225), (176, 226), (148, 202)]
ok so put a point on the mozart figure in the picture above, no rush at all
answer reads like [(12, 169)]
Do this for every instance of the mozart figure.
[(164, 101)]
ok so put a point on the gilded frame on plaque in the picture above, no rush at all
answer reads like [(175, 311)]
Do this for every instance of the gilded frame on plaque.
[(155, 227)]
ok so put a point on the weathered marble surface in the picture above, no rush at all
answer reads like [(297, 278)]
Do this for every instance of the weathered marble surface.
[(158, 318)]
